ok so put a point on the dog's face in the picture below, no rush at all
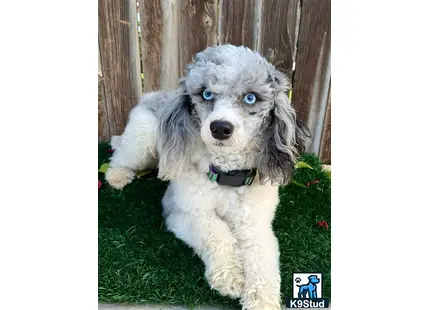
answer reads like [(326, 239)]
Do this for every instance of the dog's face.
[(232, 97), (314, 279), (234, 101)]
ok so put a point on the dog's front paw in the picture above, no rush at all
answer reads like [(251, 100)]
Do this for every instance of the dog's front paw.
[(227, 279), (260, 298), (118, 177)]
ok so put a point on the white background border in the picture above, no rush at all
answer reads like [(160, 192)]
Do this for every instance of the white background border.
[(380, 151), (48, 149), (380, 166)]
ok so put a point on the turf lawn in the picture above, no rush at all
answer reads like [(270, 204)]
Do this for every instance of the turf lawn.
[(140, 262)]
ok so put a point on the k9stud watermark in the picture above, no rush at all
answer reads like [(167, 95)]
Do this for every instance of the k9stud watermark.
[(307, 291)]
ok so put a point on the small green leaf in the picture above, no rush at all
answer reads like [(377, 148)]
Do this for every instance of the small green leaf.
[(104, 168), (298, 184), (142, 173), (328, 173), (302, 164)]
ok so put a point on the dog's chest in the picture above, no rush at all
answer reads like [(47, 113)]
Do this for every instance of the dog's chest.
[(229, 200), (245, 203), (233, 163)]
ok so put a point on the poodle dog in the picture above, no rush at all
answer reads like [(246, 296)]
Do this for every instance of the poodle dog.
[(225, 139)]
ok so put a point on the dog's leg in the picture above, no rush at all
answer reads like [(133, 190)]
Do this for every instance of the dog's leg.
[(302, 292), (259, 250), (135, 150), (214, 243), (313, 292)]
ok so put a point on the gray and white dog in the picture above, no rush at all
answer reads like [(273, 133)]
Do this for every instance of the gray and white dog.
[(226, 139)]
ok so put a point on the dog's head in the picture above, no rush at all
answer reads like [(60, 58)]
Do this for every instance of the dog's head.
[(232, 100), (313, 279)]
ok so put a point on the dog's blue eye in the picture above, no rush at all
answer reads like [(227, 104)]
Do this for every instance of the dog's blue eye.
[(249, 98), (208, 95)]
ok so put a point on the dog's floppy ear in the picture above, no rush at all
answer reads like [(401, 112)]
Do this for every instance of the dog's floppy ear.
[(303, 136), (284, 139), (177, 134)]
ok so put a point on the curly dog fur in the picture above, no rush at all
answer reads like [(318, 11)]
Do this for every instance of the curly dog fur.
[(230, 228)]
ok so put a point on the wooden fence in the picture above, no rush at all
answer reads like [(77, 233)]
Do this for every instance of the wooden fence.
[(144, 45)]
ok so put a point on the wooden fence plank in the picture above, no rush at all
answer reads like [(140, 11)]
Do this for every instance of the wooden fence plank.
[(325, 147), (134, 50), (115, 52), (103, 123), (312, 76), (236, 24), (198, 28), (278, 34), (151, 21), (170, 70)]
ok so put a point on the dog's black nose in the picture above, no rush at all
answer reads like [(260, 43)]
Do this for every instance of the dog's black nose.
[(221, 130)]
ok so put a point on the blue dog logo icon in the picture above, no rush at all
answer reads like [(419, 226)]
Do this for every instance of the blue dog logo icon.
[(309, 295), (309, 290)]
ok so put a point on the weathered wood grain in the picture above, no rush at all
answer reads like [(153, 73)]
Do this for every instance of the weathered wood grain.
[(198, 27), (134, 49), (151, 25), (278, 32), (116, 61), (103, 120), (312, 76), (103, 124), (170, 70), (325, 147), (236, 24)]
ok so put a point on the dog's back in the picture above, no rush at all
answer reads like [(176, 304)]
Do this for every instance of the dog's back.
[(152, 102)]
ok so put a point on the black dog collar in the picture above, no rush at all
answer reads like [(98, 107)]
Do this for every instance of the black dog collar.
[(234, 178)]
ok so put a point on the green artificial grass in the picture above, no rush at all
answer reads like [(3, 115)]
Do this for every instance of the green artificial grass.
[(140, 262)]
